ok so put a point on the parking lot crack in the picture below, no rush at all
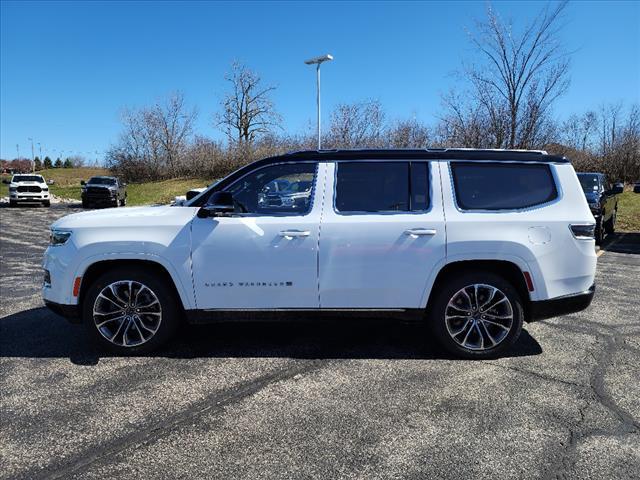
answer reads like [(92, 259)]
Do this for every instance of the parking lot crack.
[(148, 434), (626, 423)]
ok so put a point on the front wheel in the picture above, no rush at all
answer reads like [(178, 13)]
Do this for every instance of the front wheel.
[(476, 315), (46, 203), (123, 202), (131, 310)]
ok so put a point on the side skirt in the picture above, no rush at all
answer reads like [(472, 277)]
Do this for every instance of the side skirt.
[(289, 315)]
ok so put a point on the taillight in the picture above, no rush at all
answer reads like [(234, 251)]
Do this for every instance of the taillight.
[(583, 231)]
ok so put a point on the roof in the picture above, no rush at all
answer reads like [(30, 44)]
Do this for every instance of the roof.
[(426, 154)]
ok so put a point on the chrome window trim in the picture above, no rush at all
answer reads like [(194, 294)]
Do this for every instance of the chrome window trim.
[(382, 212), (275, 215), (554, 176)]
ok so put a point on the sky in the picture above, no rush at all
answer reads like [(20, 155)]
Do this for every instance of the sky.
[(67, 69)]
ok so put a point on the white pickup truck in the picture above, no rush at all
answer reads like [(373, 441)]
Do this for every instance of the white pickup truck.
[(472, 242), (28, 188)]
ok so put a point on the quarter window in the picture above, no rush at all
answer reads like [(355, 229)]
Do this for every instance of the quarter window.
[(502, 186), (284, 189), (382, 187)]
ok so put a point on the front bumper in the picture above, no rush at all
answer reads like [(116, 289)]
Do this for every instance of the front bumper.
[(558, 306), (29, 197), (70, 312)]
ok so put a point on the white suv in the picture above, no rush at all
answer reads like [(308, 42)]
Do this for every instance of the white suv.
[(28, 188), (473, 242)]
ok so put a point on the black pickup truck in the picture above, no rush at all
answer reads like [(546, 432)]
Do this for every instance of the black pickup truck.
[(602, 198), (103, 191)]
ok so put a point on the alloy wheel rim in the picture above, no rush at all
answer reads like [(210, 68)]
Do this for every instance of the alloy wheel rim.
[(479, 317), (127, 313)]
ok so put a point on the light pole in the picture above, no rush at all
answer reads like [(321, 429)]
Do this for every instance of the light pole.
[(317, 61), (33, 163)]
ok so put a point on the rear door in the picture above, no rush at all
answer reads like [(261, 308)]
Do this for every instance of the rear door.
[(382, 234)]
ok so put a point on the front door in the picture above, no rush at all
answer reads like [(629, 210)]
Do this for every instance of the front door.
[(265, 255), (382, 236)]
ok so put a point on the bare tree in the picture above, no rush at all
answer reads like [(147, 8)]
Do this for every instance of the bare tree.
[(357, 125), (154, 139), (519, 77), (247, 110), (408, 134)]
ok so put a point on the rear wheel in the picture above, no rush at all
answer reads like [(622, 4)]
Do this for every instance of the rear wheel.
[(610, 225), (130, 311), (476, 315), (599, 233)]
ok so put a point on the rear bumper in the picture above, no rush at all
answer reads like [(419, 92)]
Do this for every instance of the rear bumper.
[(70, 312), (564, 305)]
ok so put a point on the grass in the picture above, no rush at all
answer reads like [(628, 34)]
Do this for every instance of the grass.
[(628, 212)]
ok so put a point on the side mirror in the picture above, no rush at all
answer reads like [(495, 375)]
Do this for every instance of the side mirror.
[(220, 204), (82, 182), (192, 194), (617, 189)]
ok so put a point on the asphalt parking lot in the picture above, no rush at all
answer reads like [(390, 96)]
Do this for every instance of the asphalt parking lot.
[(364, 399)]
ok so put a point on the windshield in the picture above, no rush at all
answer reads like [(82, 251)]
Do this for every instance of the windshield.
[(28, 178), (589, 182), (102, 181)]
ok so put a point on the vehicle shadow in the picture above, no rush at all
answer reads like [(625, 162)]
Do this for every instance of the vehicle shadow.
[(39, 333), (621, 242)]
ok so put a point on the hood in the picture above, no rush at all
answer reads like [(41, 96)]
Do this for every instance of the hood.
[(156, 215)]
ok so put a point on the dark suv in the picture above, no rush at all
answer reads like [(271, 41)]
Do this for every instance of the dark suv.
[(603, 201), (103, 191)]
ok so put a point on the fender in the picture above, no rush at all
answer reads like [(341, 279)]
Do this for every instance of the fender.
[(186, 294), (516, 260)]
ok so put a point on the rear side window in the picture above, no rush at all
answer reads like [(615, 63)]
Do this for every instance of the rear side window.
[(502, 186), (382, 187)]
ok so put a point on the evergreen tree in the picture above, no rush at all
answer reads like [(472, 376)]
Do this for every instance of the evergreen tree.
[(67, 164), (47, 162), (58, 163), (37, 164)]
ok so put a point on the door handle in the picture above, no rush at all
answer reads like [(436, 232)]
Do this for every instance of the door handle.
[(416, 232), (289, 234)]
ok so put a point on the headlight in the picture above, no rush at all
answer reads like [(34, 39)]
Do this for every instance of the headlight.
[(13, 189), (45, 189), (59, 237)]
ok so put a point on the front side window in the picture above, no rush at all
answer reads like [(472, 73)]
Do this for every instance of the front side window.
[(284, 189), (502, 186), (382, 187)]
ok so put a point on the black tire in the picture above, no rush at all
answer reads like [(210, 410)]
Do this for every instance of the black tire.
[(610, 225), (46, 203), (599, 232), (164, 293), (123, 202), (13, 204), (446, 292), (116, 203), (85, 204)]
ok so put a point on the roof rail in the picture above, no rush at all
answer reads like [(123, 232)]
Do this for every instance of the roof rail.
[(465, 149)]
